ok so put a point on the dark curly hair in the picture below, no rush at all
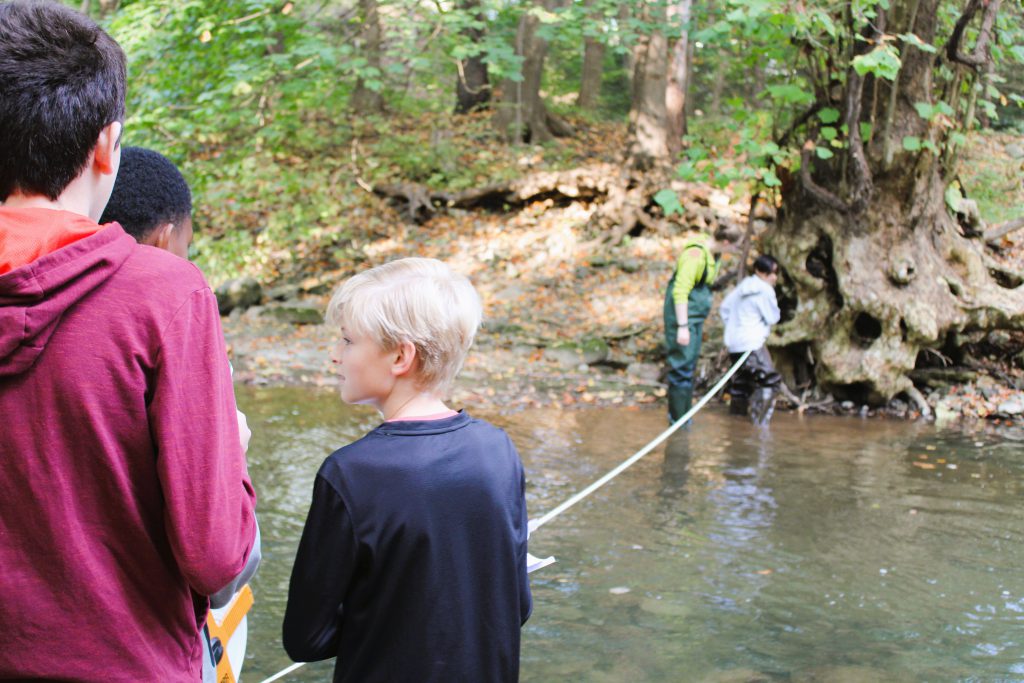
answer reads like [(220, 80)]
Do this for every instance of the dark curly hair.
[(62, 81), (149, 191)]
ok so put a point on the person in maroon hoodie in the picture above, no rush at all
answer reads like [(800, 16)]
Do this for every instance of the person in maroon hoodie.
[(124, 495)]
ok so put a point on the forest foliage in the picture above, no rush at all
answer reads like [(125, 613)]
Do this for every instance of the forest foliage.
[(264, 102)]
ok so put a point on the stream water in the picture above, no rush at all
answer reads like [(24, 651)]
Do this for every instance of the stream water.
[(825, 549)]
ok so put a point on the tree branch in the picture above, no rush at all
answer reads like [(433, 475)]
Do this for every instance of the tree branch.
[(998, 231), (979, 57), (817, 191), (862, 183), (804, 118)]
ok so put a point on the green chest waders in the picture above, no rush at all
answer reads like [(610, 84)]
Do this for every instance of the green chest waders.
[(682, 360)]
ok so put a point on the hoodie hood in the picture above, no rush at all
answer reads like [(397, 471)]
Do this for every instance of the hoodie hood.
[(752, 285), (35, 296)]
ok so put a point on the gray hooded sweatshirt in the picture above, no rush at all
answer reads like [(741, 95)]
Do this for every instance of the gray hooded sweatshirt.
[(749, 311)]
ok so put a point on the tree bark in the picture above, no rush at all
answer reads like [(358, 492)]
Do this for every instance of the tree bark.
[(472, 88), (875, 268), (366, 100), (648, 116), (522, 116), (678, 76), (593, 62)]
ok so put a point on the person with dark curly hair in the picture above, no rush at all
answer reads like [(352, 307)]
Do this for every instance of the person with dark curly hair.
[(151, 200)]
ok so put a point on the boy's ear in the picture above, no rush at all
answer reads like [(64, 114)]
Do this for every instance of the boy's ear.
[(106, 156), (404, 359), (160, 237)]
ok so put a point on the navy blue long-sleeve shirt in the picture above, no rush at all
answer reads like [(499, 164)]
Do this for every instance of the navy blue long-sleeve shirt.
[(412, 563)]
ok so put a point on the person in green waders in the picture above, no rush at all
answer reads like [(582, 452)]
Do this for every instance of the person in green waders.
[(687, 305)]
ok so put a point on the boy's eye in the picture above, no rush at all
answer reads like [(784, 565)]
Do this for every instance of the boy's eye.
[(348, 342)]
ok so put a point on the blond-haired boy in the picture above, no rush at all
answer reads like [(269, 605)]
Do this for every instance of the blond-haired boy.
[(412, 563)]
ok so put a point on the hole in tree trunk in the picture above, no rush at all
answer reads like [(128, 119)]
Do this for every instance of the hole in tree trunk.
[(796, 363), (787, 297), (819, 259), (866, 329), (1006, 280), (903, 329), (819, 264), (858, 392)]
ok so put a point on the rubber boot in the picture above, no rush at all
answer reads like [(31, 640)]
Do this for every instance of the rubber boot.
[(679, 402), (762, 405), (739, 404)]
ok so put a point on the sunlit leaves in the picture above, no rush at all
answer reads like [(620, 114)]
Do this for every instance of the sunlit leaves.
[(953, 196), (828, 115), (668, 200), (883, 61), (912, 39), (790, 94)]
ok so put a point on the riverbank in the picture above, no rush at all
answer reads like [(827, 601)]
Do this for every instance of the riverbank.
[(567, 325), (573, 321)]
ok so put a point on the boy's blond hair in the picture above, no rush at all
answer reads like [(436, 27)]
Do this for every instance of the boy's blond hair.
[(418, 300)]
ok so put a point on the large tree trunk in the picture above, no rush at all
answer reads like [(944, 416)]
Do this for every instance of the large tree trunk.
[(593, 62), (367, 100), (876, 269), (678, 76), (522, 115), (648, 135), (473, 88)]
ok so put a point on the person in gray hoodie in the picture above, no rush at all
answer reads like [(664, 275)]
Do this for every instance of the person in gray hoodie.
[(748, 312)]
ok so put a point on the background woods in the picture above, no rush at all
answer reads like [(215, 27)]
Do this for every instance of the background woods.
[(841, 128)]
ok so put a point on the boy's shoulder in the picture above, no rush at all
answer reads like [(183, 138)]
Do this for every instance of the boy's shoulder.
[(408, 437), (172, 273)]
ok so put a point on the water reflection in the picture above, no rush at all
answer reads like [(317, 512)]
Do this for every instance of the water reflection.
[(820, 550)]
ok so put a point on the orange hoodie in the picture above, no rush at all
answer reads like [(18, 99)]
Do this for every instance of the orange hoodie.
[(24, 236)]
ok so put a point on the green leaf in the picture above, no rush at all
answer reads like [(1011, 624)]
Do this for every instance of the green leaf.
[(911, 143), (828, 115), (829, 133), (924, 110), (668, 200), (769, 178), (866, 130), (957, 139), (823, 152), (953, 196), (687, 172), (790, 94), (912, 39), (883, 61)]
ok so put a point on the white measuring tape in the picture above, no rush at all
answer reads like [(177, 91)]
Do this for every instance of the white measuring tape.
[(538, 523)]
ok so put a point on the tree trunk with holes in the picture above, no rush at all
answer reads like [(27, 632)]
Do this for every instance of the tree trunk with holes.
[(472, 87), (876, 269)]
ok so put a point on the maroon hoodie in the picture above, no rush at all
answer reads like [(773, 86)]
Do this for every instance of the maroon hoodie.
[(124, 496)]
